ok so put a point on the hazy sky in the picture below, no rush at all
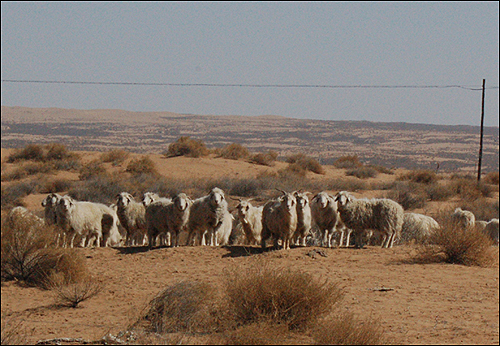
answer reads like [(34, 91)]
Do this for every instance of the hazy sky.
[(264, 43)]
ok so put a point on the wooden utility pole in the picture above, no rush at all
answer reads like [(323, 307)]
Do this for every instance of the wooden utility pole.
[(481, 139)]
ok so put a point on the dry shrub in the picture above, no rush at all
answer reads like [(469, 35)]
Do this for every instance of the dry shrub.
[(258, 333), (422, 176), (186, 306), (362, 172), (470, 189), (348, 161), (12, 195), (92, 169), (234, 151), (452, 244), (438, 192), (290, 297), (115, 156), (305, 163), (58, 152), (28, 253), (14, 332), (410, 196), (30, 152), (71, 294), (344, 329), (265, 159), (142, 165), (491, 178), (27, 169), (185, 146)]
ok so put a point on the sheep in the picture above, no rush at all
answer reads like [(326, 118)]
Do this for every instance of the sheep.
[(92, 221), (463, 219), (279, 220), (49, 203), (206, 216), (22, 212), (150, 197), (250, 218), (304, 218), (326, 218), (417, 227), (132, 217), (382, 215), (491, 230), (224, 231), (177, 216)]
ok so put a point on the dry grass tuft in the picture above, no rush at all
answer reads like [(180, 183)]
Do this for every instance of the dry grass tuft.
[(451, 244), (234, 151), (286, 296), (345, 329), (265, 159), (71, 294), (185, 146)]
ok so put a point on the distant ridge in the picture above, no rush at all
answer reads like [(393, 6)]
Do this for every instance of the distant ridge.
[(400, 144)]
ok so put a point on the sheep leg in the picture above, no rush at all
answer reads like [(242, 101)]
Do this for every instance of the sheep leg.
[(341, 241)]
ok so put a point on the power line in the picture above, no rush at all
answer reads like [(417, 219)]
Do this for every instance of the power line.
[(255, 85)]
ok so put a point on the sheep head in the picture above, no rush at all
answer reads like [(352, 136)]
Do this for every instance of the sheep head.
[(182, 201), (123, 199), (217, 196), (343, 198)]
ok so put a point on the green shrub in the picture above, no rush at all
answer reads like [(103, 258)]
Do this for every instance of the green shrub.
[(185, 146)]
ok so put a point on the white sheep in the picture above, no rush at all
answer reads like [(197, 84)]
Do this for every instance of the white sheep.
[(177, 216), (326, 218), (463, 219), (150, 197), (382, 215), (304, 218), (417, 227), (206, 216), (224, 231), (279, 220), (92, 221), (250, 218), (132, 218), (491, 230)]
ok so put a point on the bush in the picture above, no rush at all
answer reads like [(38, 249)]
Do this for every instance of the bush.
[(30, 152), (71, 294), (265, 159), (347, 330), (409, 196), (28, 253), (286, 296), (115, 156), (452, 244), (348, 161), (301, 162), (362, 172), (491, 178), (143, 165), (185, 146), (57, 152), (186, 306), (12, 195), (470, 189), (91, 170), (234, 151), (422, 176)]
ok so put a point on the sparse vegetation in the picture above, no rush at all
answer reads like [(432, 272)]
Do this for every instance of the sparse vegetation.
[(301, 163), (362, 172), (115, 156), (234, 151), (348, 161), (186, 146), (421, 176), (142, 165), (265, 159), (71, 294), (451, 244)]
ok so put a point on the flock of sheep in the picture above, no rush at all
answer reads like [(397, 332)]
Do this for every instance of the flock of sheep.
[(290, 219)]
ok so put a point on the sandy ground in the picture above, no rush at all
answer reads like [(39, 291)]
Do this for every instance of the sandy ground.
[(428, 303)]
